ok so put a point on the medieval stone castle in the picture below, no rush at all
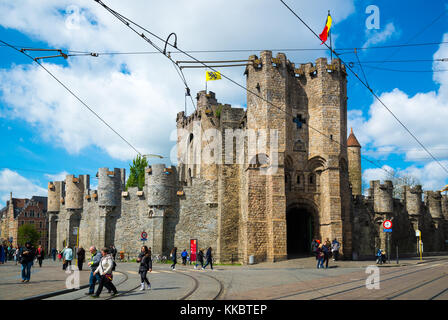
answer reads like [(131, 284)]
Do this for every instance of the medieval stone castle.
[(243, 208)]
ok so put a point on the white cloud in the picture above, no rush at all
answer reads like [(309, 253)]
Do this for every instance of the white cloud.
[(377, 36), (141, 105), (431, 176), (57, 177), (21, 187), (425, 114)]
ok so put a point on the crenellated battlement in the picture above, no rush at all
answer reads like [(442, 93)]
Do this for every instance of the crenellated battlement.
[(382, 194), (412, 196), (160, 185), (433, 200), (110, 184), (74, 191)]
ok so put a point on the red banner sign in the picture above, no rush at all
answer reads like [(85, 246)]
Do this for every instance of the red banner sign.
[(193, 249)]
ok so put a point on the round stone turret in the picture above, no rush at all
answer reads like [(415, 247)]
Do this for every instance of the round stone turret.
[(354, 163), (74, 192), (108, 187), (382, 196), (160, 185), (413, 199), (433, 200), (55, 193)]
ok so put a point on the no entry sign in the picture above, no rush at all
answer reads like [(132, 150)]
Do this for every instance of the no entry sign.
[(387, 224)]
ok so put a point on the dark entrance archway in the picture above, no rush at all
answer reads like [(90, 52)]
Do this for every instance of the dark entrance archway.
[(300, 230)]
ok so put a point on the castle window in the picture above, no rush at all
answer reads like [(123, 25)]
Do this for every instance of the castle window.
[(298, 179), (311, 179), (190, 138)]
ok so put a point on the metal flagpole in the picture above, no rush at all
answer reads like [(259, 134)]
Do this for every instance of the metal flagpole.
[(331, 45)]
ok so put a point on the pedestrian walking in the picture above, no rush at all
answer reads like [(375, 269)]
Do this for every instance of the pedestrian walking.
[(144, 258), (67, 256), (81, 257), (320, 257), (105, 271), (26, 260), (53, 253), (326, 251), (94, 262), (40, 255), (184, 256), (113, 251), (200, 259), (16, 255), (208, 258), (335, 245), (2, 254), (379, 259), (174, 258), (314, 247)]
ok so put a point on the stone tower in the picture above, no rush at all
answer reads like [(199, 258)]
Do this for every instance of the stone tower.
[(354, 163), (326, 90), (55, 195), (383, 207), (161, 196)]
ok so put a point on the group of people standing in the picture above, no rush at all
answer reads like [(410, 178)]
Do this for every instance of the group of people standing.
[(324, 251), (199, 258), (8, 252), (24, 256)]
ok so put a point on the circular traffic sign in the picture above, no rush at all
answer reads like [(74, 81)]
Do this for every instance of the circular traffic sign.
[(144, 235), (387, 224)]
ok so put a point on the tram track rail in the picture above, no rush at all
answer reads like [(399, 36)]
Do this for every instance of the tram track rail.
[(415, 269)]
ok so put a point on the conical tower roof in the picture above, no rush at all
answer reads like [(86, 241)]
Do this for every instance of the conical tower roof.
[(352, 141)]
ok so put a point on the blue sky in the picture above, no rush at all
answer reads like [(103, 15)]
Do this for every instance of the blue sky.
[(47, 134)]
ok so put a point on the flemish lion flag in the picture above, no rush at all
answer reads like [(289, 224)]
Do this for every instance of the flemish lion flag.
[(209, 75), (324, 35)]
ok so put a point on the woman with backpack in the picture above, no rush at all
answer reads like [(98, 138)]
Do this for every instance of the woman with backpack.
[(145, 265), (174, 258), (105, 271)]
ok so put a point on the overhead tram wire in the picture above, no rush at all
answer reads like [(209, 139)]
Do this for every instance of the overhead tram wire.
[(400, 70), (88, 53), (127, 21), (73, 94), (382, 103)]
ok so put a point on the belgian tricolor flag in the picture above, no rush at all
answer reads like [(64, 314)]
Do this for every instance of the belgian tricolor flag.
[(324, 35)]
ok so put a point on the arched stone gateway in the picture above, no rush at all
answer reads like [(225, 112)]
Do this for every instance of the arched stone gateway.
[(301, 228)]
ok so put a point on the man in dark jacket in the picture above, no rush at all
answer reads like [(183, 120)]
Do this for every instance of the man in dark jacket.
[(81, 257), (200, 259), (94, 263), (209, 259), (27, 258)]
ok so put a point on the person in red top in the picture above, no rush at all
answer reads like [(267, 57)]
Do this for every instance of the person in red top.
[(40, 255)]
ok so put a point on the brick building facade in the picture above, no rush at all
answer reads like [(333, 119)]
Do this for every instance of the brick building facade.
[(24, 211)]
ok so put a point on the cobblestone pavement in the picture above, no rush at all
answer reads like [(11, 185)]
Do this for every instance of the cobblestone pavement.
[(291, 279), (48, 278)]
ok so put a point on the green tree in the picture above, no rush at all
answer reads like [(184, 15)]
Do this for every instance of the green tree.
[(137, 173), (27, 233)]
